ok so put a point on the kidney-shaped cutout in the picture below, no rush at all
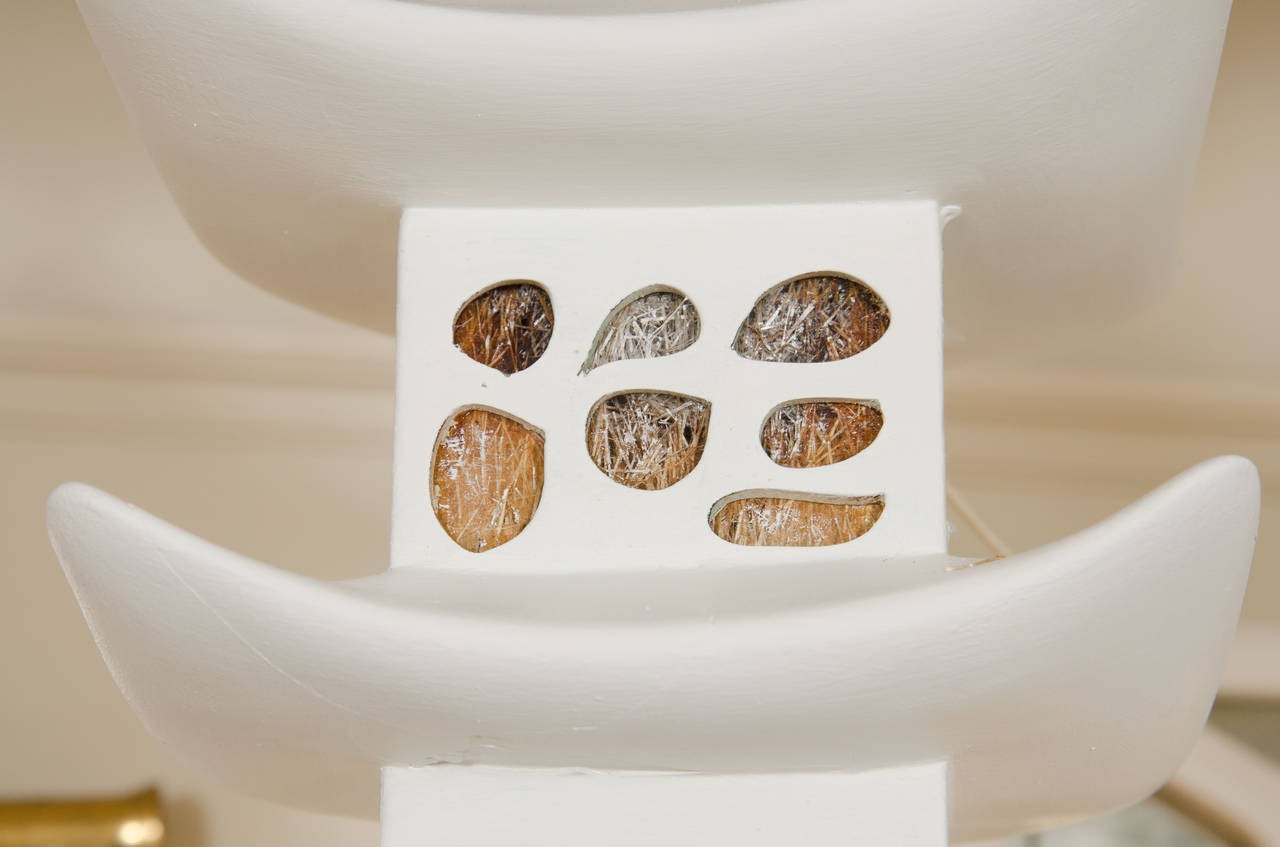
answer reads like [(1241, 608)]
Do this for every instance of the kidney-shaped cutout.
[(793, 519), (506, 327), (486, 477), (819, 317)]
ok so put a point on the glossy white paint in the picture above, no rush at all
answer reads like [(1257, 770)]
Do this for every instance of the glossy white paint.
[(1092, 660), (292, 132), (527, 807), (722, 259)]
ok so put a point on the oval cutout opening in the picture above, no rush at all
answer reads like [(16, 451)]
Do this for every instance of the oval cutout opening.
[(486, 477), (816, 317), (506, 327), (793, 518)]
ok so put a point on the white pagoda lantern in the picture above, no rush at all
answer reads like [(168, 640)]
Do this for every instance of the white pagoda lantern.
[(669, 558)]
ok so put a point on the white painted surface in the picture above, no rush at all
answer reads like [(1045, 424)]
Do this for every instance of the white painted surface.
[(292, 132), (1058, 683), (723, 260), (529, 807)]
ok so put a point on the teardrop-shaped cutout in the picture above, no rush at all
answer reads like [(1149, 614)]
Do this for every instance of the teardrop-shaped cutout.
[(652, 322), (506, 327), (818, 317), (813, 433), (486, 477), (647, 439), (793, 519)]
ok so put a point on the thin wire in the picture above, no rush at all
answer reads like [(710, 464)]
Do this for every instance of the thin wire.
[(1165, 796), (997, 545), (979, 526)]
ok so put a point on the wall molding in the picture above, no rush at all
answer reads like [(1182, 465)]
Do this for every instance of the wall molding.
[(322, 391), (1115, 401), (347, 359)]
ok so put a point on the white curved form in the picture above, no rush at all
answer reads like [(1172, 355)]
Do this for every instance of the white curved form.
[(292, 132), (1094, 660)]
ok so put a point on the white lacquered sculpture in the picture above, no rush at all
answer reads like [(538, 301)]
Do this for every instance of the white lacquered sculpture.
[(618, 661), (1057, 664)]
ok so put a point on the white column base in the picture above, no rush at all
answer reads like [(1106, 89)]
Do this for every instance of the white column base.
[(538, 807)]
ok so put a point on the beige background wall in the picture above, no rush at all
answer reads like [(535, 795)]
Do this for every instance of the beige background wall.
[(131, 360)]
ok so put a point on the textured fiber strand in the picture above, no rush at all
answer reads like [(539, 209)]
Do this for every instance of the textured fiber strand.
[(507, 327), (813, 433), (656, 324), (647, 440), (814, 318), (797, 521), (486, 478)]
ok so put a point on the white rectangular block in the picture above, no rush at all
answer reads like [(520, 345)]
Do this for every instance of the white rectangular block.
[(533, 807), (722, 259)]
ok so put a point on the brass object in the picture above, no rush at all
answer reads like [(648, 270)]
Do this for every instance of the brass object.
[(133, 821)]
